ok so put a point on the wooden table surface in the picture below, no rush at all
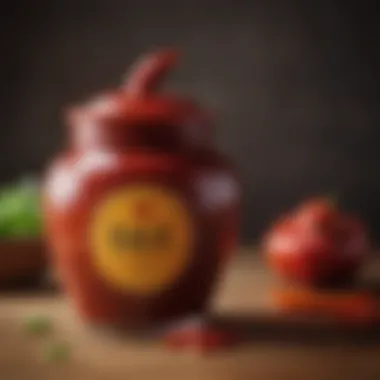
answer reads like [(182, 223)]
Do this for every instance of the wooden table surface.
[(278, 349)]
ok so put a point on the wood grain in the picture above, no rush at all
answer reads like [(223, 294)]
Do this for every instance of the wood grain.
[(279, 348)]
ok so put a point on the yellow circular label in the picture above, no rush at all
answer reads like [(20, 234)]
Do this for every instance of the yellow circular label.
[(141, 238)]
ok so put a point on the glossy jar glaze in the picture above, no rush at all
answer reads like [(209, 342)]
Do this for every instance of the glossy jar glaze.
[(141, 212)]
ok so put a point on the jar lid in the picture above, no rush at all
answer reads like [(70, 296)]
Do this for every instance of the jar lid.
[(138, 101)]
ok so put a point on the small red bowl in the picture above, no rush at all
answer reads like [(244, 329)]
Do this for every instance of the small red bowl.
[(21, 260)]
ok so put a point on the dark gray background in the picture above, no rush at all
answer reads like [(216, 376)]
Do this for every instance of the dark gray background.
[(295, 84)]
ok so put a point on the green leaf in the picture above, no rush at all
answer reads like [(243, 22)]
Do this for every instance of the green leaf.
[(38, 325), (58, 352)]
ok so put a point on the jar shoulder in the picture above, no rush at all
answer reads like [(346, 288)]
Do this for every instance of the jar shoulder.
[(73, 173)]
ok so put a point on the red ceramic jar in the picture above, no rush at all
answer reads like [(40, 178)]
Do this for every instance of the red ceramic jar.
[(141, 212)]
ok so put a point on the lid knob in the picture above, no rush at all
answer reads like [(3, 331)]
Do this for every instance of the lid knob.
[(146, 75)]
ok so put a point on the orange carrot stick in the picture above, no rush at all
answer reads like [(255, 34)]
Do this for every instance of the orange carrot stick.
[(344, 306)]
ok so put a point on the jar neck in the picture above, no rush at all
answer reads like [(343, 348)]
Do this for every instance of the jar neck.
[(165, 138)]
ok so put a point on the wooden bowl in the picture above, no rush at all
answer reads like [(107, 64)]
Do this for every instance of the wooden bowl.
[(21, 260)]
